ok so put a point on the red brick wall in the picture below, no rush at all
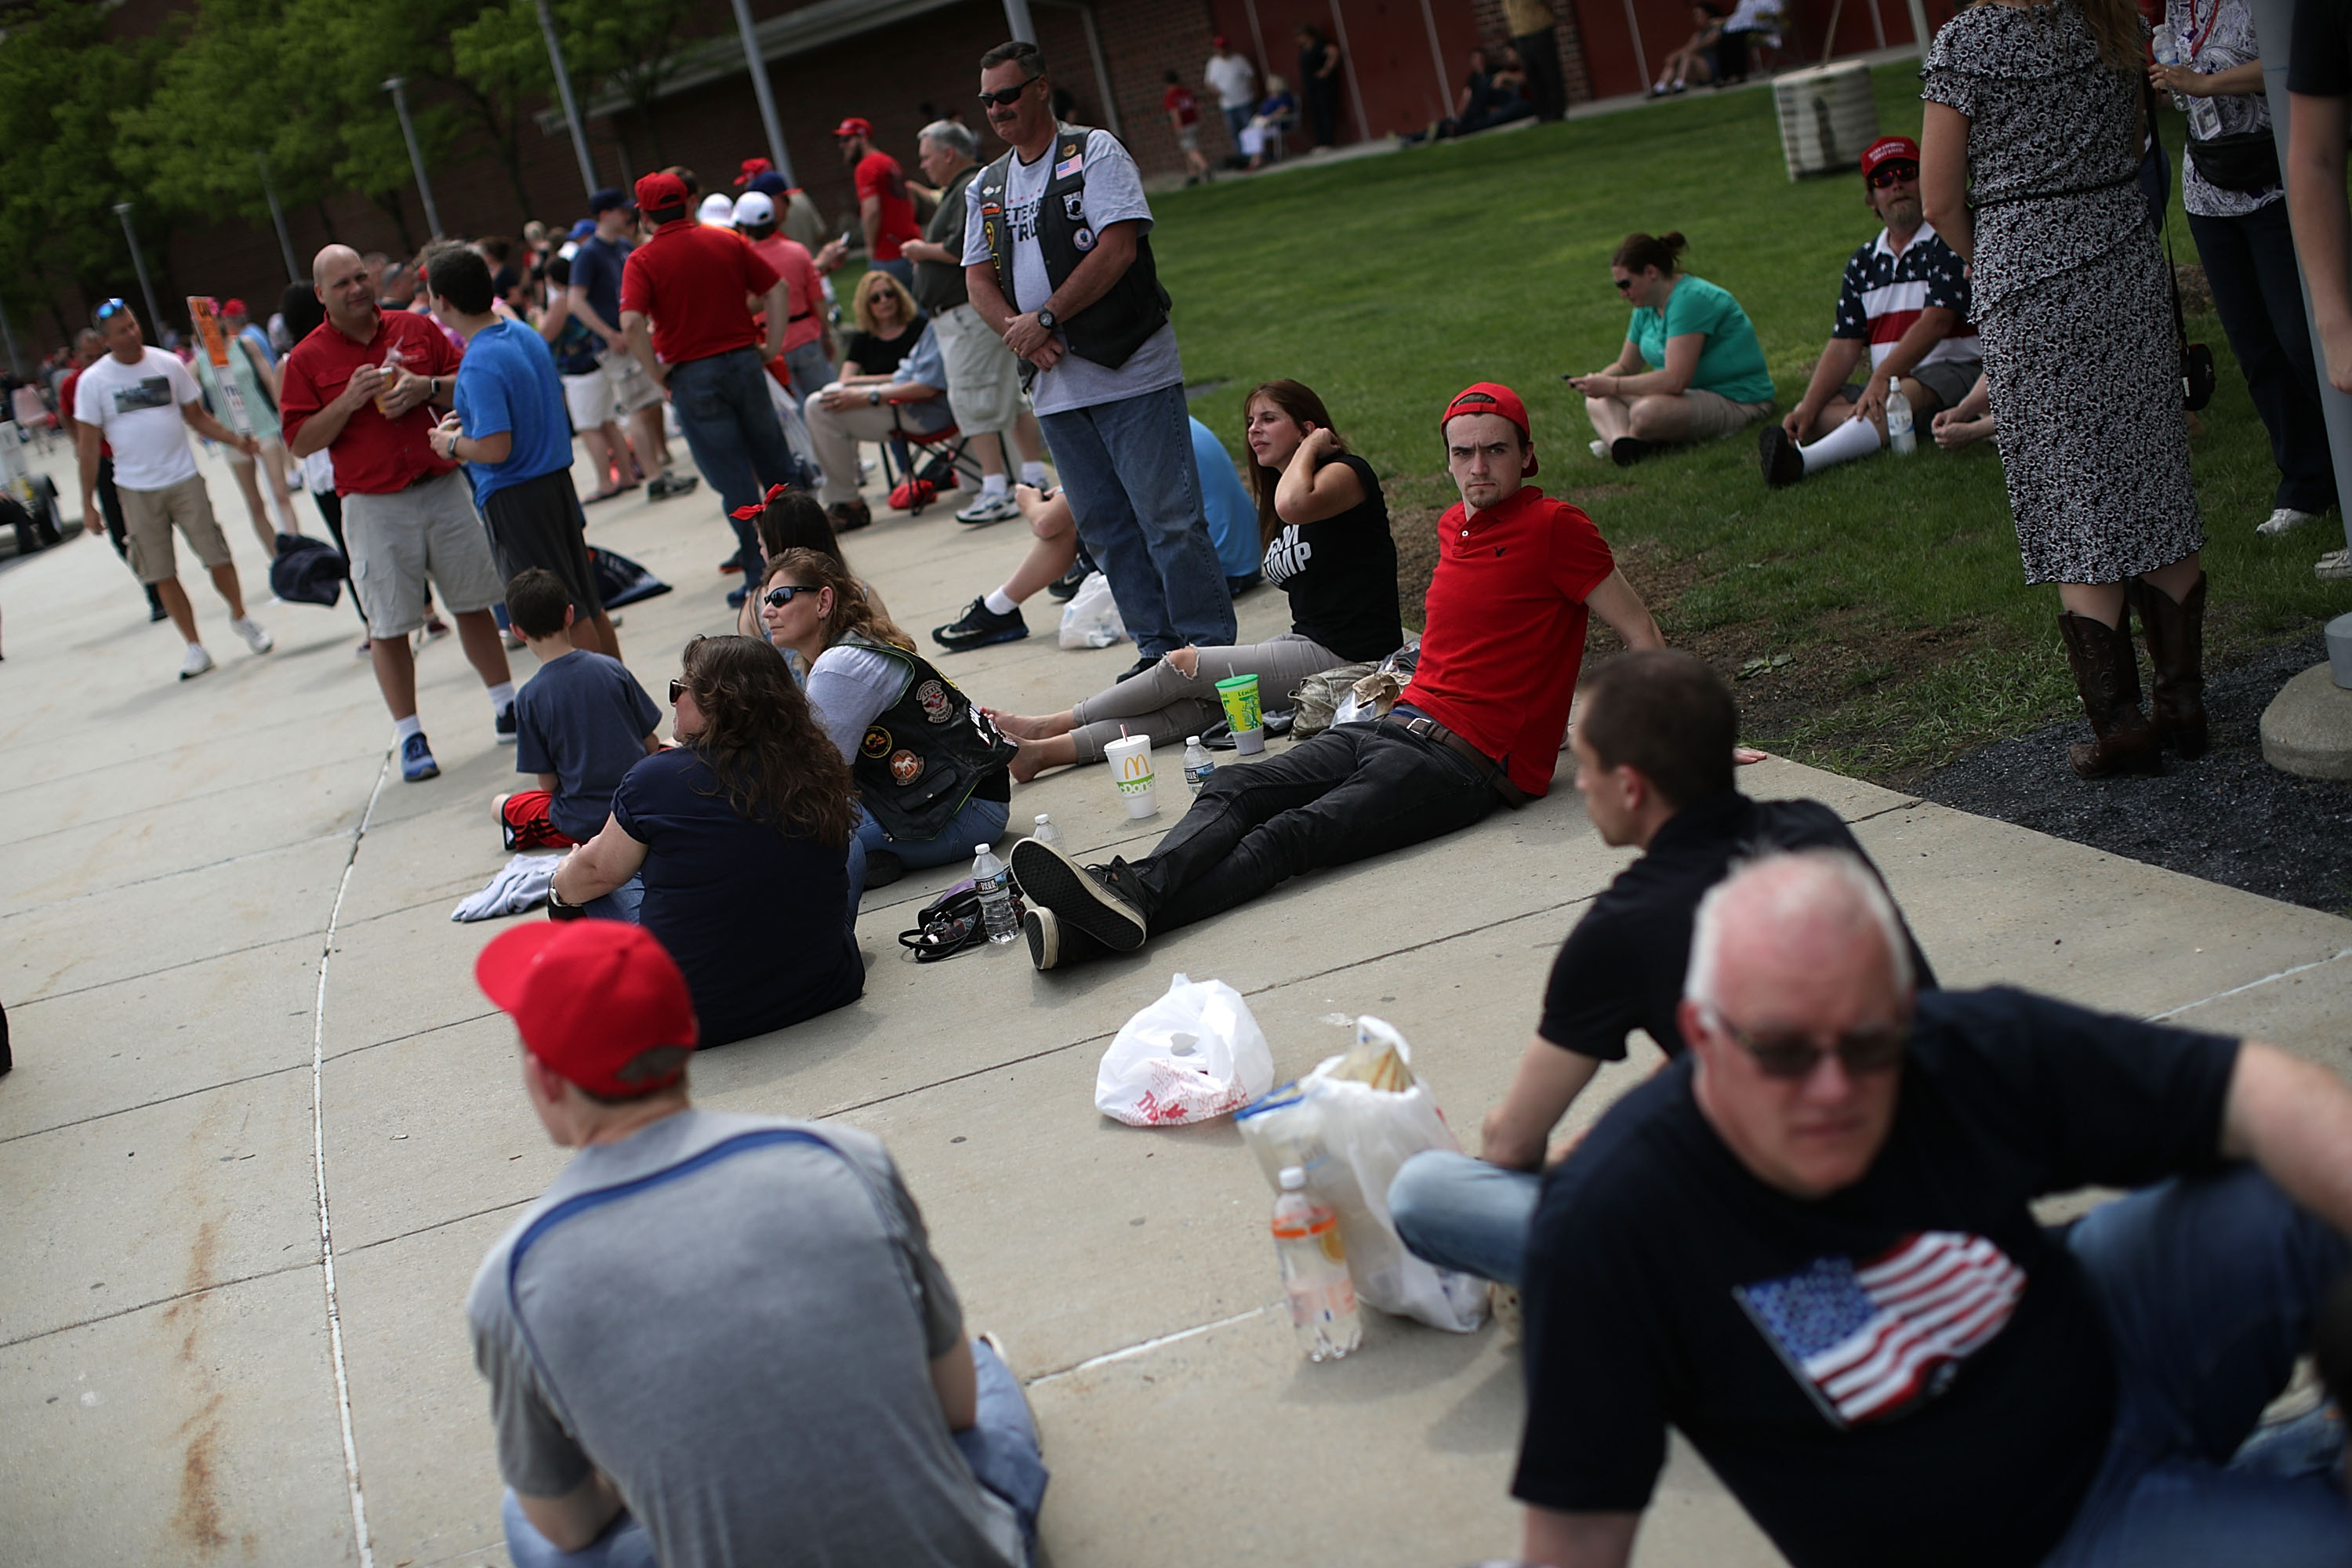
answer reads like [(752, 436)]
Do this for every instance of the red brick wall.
[(1492, 30)]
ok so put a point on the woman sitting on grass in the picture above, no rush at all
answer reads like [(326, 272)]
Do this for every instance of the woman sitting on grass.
[(929, 771), (1324, 527), (1691, 369), (742, 834)]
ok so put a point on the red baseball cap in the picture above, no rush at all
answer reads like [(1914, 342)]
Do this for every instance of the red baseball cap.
[(1216, 40), (752, 167), (1493, 397), (589, 998), (1889, 150), (658, 191), (852, 126), (233, 308)]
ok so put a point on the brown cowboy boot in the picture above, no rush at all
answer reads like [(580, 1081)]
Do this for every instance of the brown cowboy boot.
[(2108, 679), (2176, 658)]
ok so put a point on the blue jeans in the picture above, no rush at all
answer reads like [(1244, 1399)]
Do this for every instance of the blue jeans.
[(1464, 1213), (2258, 294), (1237, 120), (1136, 497), (1001, 1448), (620, 904), (975, 823), (732, 429), (2208, 1288)]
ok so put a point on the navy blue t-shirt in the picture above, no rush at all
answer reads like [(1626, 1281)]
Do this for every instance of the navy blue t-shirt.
[(584, 718), (507, 382), (596, 267), (757, 920)]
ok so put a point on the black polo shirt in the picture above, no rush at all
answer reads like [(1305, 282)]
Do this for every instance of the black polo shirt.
[(1621, 967)]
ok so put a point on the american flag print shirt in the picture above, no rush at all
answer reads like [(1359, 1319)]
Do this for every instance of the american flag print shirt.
[(1883, 294), (1868, 1338)]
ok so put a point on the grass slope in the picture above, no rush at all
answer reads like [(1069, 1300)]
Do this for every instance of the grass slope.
[(1891, 588)]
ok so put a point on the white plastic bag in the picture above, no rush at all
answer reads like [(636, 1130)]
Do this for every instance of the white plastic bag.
[(1194, 1054), (1091, 617)]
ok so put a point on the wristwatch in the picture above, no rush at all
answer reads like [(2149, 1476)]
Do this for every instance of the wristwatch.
[(1046, 319), (873, 397)]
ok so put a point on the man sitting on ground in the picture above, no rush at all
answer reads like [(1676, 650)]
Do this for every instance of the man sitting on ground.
[(734, 1322), (581, 723), (1809, 1246), (1517, 577), (1906, 298), (913, 399), (1652, 745)]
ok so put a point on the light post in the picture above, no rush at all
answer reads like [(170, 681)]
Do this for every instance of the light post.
[(759, 88), (571, 104), (146, 288), (277, 218), (397, 85)]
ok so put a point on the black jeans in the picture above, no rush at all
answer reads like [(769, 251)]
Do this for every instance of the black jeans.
[(1546, 89), (2250, 262), (1352, 792)]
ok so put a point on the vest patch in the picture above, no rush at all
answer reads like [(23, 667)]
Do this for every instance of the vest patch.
[(906, 766), (1084, 240), (1073, 206), (932, 698), (877, 743)]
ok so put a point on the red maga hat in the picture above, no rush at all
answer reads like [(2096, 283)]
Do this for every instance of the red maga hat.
[(752, 167), (1493, 397), (854, 126), (1889, 150), (658, 191), (233, 308), (590, 998)]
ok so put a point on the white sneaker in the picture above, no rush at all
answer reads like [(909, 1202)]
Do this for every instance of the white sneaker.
[(256, 637), (2284, 519), (991, 509), (196, 663), (2336, 566), (1600, 449)]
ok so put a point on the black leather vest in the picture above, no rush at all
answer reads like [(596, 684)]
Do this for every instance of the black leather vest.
[(920, 759), (1110, 330)]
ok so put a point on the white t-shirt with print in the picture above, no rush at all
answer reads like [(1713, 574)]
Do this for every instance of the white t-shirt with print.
[(1235, 78), (136, 407), (1112, 192)]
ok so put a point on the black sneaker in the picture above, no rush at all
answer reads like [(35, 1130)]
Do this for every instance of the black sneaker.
[(1055, 942), (980, 627), (1082, 897), (1627, 450), (1776, 449), (1065, 586), (665, 487), (1137, 668), (883, 868), (732, 563), (849, 516)]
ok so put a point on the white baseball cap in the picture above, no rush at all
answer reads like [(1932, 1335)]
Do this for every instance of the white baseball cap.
[(717, 209), (754, 206)]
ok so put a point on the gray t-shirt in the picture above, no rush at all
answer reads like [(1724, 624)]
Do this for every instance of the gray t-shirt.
[(1112, 193), (734, 1318)]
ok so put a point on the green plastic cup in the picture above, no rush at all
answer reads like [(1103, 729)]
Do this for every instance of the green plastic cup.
[(1239, 695)]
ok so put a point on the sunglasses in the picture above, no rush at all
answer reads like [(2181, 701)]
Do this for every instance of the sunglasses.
[(1890, 174), (1873, 1049), (782, 594), (1624, 285), (677, 690), (107, 307), (1005, 97)]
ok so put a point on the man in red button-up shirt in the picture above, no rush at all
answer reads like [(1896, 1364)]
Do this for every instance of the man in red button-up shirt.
[(365, 386)]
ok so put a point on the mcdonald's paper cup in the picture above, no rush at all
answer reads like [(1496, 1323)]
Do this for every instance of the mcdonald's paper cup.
[(1131, 769), (1239, 694)]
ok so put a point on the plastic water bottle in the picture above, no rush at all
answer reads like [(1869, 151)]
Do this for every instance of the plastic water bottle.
[(1315, 1272), (1197, 763), (1899, 434), (1045, 832), (996, 889)]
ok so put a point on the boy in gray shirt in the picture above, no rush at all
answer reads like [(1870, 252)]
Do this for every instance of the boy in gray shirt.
[(722, 1339)]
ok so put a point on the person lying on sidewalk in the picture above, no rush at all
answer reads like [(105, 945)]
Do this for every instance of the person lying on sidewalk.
[(1905, 303), (1519, 575), (1809, 1246), (1653, 744), (928, 765), (581, 725), (817, 1402), (1323, 526)]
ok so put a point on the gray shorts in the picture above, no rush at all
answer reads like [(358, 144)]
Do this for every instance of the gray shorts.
[(1949, 379), (399, 540), (149, 516)]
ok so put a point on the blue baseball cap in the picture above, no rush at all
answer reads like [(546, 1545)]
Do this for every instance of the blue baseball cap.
[(583, 229)]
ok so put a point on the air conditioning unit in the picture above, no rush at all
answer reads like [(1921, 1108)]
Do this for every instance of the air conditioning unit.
[(1827, 117)]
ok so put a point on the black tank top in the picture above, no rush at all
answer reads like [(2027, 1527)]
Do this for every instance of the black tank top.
[(1341, 574)]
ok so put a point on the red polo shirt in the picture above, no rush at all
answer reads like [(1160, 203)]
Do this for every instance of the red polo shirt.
[(690, 278), (373, 455), (1506, 634), (878, 175), (791, 259)]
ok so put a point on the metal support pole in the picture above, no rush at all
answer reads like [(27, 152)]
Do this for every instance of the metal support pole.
[(277, 218), (571, 104), (758, 66), (1016, 21), (1347, 58), (146, 288), (1437, 59), (15, 362), (1102, 67), (1919, 28), (398, 86), (2274, 27)]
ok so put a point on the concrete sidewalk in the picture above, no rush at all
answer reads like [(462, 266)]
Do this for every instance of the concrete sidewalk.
[(235, 989)]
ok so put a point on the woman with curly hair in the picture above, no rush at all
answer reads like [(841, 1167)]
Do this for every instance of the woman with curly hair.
[(1323, 527), (742, 836), (930, 768)]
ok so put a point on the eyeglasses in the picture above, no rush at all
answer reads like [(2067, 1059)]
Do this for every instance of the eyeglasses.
[(1624, 285), (1875, 1048), (1006, 96), (677, 690), (107, 307), (782, 594), (1889, 174)]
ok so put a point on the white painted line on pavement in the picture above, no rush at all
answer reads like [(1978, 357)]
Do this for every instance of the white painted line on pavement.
[(1148, 1345), (2248, 985)]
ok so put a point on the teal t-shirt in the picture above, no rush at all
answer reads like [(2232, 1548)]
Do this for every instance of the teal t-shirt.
[(1732, 361)]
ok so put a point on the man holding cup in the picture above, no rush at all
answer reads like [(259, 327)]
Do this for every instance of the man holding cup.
[(1518, 577)]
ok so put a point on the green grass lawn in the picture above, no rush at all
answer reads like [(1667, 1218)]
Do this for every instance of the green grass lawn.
[(1892, 586)]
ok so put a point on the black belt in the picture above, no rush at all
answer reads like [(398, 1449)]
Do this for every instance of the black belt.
[(1498, 777), (804, 316)]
